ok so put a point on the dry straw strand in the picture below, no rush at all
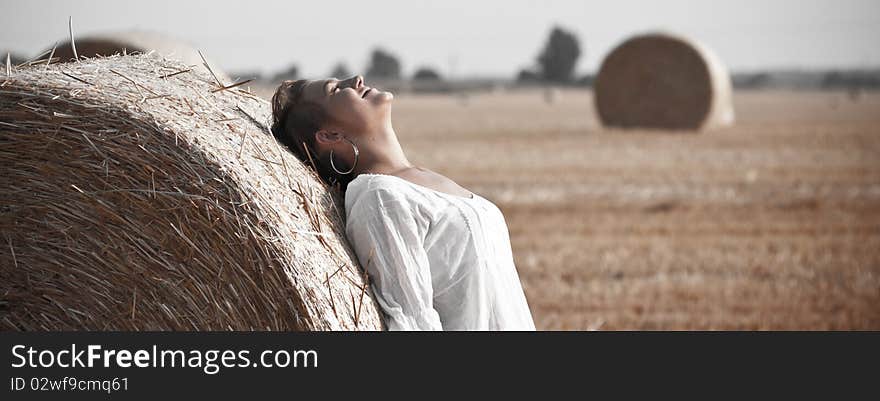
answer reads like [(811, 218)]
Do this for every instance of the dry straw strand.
[(176, 73), (220, 84), (72, 41), (76, 78), (232, 85), (52, 54)]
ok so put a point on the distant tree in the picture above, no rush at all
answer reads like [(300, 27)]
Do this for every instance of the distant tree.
[(241, 75), (291, 72), (750, 80), (426, 74), (527, 75), (559, 56), (383, 65), (586, 80), (340, 71), (853, 79)]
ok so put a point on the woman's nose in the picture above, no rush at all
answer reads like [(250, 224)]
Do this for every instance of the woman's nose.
[(357, 81)]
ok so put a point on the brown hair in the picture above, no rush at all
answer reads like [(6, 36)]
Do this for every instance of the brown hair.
[(294, 124)]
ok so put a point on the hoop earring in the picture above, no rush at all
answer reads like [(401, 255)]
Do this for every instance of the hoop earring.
[(356, 153)]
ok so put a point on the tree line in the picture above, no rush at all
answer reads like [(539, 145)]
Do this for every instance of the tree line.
[(554, 64)]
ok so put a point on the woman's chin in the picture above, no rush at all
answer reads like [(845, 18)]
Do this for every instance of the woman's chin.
[(382, 97), (386, 96)]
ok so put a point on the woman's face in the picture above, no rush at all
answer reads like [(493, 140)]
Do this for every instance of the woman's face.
[(354, 108)]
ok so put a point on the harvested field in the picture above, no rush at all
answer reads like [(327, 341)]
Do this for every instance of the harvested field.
[(773, 223)]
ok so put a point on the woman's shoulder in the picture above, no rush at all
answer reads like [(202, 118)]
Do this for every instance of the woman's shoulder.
[(386, 198), (372, 188), (371, 184)]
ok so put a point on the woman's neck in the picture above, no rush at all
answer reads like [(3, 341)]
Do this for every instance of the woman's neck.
[(381, 154)]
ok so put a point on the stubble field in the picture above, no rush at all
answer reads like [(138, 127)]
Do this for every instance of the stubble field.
[(773, 223)]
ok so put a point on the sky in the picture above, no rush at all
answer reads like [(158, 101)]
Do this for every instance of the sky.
[(462, 38)]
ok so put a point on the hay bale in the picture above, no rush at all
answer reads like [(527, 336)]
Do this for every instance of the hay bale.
[(124, 42), (136, 197), (663, 81)]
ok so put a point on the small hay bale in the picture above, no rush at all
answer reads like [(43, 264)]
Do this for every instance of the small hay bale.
[(129, 42), (663, 81), (137, 197)]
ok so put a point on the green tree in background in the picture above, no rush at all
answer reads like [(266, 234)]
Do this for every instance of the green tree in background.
[(291, 72), (383, 65), (341, 71), (559, 56), (426, 74)]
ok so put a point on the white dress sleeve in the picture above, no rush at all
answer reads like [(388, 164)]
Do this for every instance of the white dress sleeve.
[(385, 236)]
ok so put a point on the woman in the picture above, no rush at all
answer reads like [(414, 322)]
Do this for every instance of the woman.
[(438, 256)]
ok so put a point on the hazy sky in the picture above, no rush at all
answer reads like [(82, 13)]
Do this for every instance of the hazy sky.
[(470, 37)]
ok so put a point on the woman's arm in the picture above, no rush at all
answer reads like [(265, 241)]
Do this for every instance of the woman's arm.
[(384, 233)]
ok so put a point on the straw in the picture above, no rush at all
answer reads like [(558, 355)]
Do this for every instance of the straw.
[(122, 214), (663, 81), (72, 41)]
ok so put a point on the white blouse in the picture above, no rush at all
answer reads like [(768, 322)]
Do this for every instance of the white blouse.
[(436, 261)]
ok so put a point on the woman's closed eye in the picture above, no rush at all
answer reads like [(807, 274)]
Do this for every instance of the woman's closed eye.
[(335, 87)]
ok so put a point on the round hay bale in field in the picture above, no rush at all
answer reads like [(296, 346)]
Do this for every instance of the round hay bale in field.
[(110, 43), (135, 195), (663, 81)]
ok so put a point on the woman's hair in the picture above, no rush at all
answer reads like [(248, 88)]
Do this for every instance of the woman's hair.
[(294, 124)]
